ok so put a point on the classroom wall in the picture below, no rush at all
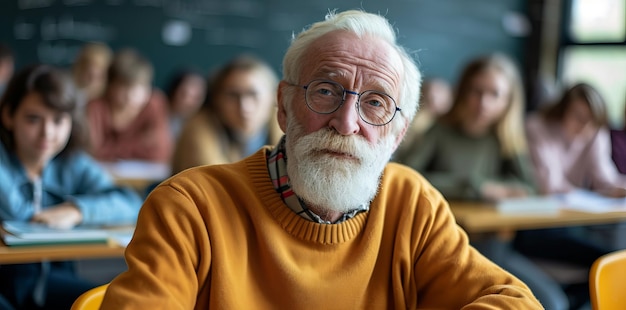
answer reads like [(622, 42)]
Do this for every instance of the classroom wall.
[(443, 34)]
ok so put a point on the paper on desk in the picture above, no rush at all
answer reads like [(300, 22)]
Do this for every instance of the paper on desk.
[(529, 205), (587, 201), (135, 169), (121, 238)]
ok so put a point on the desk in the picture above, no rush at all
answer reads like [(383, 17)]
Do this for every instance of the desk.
[(32, 254), (479, 217)]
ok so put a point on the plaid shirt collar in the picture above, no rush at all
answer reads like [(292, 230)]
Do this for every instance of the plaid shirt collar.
[(277, 167)]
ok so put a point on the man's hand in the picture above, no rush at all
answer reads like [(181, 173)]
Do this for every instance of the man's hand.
[(62, 216)]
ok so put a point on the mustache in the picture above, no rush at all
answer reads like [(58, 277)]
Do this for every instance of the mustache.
[(325, 140)]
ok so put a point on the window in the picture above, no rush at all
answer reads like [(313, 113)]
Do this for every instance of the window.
[(593, 50)]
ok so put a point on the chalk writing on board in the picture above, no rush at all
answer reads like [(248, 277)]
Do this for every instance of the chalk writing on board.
[(77, 2), (153, 3), (33, 4), (235, 37), (23, 30), (56, 53), (242, 8), (66, 27)]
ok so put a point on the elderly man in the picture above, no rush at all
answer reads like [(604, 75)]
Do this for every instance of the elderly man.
[(320, 221)]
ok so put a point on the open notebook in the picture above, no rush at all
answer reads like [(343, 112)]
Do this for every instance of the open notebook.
[(17, 233), (578, 200)]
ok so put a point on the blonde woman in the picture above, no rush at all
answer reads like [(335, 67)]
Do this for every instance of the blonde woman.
[(478, 149)]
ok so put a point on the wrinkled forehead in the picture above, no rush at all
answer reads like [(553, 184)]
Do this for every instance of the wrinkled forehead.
[(346, 53)]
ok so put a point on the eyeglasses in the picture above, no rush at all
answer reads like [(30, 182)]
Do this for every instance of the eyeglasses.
[(325, 97)]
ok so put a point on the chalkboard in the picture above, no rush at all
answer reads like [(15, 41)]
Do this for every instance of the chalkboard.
[(443, 34)]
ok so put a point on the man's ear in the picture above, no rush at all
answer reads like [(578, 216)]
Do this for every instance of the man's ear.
[(282, 112), (401, 134)]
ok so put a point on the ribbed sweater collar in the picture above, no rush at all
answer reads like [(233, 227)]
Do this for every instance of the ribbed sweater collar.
[(291, 222)]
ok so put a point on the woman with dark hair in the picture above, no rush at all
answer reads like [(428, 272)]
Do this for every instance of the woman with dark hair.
[(45, 177), (570, 145), (237, 118)]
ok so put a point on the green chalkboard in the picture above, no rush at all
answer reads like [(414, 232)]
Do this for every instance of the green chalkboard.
[(444, 34)]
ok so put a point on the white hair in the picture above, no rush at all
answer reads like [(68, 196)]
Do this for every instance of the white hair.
[(362, 24)]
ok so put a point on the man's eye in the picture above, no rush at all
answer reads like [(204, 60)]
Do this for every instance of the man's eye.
[(325, 92)]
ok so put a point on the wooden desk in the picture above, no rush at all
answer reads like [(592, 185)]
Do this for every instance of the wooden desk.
[(477, 217), (32, 254)]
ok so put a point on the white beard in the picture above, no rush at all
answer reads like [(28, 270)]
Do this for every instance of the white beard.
[(332, 182)]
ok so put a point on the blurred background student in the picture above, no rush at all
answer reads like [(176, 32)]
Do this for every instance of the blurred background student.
[(478, 151), (131, 120), (571, 150), (46, 177), (436, 100), (90, 69), (237, 118), (7, 64), (571, 146), (185, 92)]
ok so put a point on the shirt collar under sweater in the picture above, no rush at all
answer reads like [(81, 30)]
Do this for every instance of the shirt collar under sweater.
[(277, 167)]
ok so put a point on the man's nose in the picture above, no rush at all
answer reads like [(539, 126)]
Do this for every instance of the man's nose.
[(346, 119)]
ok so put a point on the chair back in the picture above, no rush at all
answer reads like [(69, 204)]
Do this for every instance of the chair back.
[(607, 282), (91, 299)]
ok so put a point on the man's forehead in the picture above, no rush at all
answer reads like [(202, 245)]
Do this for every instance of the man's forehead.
[(345, 52)]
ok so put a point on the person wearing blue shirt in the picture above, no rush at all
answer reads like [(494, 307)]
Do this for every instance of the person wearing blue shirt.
[(46, 177)]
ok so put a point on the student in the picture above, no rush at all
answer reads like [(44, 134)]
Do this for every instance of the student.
[(320, 221), (185, 94), (436, 100), (477, 151), (46, 178), (131, 121), (570, 147), (236, 119), (90, 69)]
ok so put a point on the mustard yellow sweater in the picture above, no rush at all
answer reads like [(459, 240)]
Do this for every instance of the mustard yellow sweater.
[(220, 237)]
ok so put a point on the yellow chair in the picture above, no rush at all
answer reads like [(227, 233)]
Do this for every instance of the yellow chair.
[(91, 299), (607, 282)]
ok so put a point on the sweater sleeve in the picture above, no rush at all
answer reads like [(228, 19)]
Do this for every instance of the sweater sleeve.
[(451, 274), (165, 257)]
